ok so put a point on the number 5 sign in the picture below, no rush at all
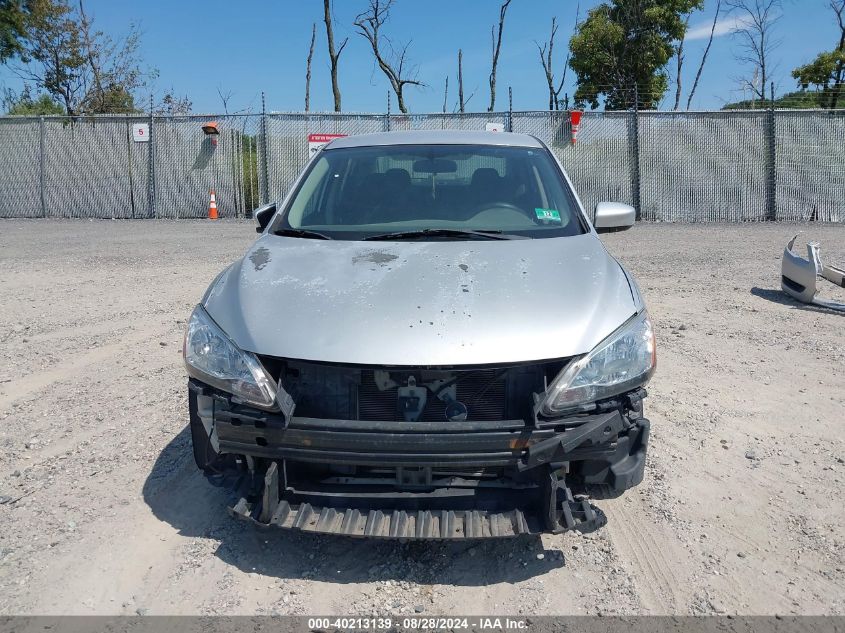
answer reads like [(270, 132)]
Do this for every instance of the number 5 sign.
[(141, 132)]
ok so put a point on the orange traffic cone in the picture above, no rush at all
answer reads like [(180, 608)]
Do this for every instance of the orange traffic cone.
[(212, 207)]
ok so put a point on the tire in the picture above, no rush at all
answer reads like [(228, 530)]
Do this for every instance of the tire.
[(206, 458)]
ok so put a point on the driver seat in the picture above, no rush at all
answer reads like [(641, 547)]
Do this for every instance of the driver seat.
[(487, 186)]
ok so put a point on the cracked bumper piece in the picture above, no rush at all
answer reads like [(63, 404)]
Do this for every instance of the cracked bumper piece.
[(799, 276), (395, 524), (424, 480), (556, 512)]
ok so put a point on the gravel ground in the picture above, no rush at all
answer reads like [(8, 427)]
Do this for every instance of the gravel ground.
[(740, 512)]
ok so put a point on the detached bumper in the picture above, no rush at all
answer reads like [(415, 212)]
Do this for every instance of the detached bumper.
[(427, 495)]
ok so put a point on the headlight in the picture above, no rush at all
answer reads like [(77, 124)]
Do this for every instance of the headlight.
[(210, 356), (623, 361)]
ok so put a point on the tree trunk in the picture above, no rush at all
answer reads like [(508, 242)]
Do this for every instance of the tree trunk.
[(89, 54), (400, 100), (704, 55), (763, 77), (308, 68), (334, 55), (497, 47), (840, 71), (460, 81), (680, 67)]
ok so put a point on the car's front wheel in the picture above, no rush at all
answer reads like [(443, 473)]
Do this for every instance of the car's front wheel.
[(208, 460)]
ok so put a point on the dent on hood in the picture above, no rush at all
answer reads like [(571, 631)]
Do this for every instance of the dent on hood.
[(260, 257), (379, 257), (422, 303)]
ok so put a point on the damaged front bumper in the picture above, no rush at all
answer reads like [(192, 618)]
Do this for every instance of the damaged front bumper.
[(425, 480), (799, 276)]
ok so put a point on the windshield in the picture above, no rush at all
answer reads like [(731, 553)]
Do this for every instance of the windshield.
[(436, 190)]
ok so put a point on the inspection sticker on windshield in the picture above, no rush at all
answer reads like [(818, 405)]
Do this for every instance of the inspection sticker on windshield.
[(548, 214)]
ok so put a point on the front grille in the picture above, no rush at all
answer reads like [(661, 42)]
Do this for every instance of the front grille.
[(482, 391), (333, 392)]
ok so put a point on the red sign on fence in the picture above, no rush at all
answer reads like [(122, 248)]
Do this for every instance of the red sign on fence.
[(316, 141)]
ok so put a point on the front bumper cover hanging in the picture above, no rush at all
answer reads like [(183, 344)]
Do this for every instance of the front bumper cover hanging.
[(799, 276), (561, 512)]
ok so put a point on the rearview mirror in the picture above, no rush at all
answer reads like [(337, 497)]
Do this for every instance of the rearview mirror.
[(614, 216), (263, 215), (435, 166)]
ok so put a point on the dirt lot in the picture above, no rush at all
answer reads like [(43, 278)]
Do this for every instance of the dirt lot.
[(741, 510)]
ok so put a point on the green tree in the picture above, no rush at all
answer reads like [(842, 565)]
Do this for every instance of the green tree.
[(25, 104), (79, 66), (827, 71), (623, 48), (52, 53), (13, 15), (799, 100)]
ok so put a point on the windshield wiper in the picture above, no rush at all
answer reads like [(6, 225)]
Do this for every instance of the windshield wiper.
[(459, 233), (312, 235)]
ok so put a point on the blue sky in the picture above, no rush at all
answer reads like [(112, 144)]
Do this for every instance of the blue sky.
[(253, 45)]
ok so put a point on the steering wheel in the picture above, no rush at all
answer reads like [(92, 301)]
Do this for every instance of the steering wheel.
[(487, 206)]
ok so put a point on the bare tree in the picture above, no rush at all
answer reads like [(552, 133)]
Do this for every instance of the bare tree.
[(334, 55), (173, 104), (462, 101), (308, 68), (392, 61), (225, 97), (446, 94), (546, 60), (704, 55), (460, 81), (546, 51), (756, 20), (497, 47)]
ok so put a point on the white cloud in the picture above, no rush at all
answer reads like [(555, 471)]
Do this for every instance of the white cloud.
[(725, 26)]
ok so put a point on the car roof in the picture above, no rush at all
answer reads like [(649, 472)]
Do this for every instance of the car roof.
[(436, 137)]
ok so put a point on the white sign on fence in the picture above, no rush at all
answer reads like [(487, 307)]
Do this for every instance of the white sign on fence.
[(495, 127), (141, 132)]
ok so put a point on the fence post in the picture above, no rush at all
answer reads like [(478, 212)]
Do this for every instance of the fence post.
[(771, 157), (42, 174), (265, 187), (510, 109), (151, 189), (634, 137), (129, 164)]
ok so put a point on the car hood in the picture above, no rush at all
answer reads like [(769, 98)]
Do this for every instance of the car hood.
[(428, 303)]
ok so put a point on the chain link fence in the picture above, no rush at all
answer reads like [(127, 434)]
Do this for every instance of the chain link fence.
[(672, 166)]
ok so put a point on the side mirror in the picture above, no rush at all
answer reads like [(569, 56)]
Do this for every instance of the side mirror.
[(614, 216), (263, 215)]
